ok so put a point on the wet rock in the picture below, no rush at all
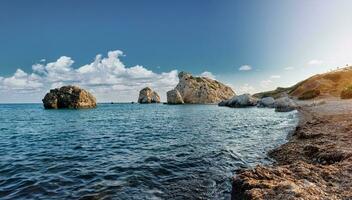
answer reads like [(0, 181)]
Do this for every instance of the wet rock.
[(147, 95), (69, 97)]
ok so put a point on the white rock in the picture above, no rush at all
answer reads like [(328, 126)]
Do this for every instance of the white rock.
[(174, 97), (284, 104), (147, 95), (268, 102), (244, 100)]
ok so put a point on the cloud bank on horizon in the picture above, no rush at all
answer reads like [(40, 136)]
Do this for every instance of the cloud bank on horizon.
[(107, 77)]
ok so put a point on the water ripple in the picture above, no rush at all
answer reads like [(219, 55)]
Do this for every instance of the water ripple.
[(126, 151)]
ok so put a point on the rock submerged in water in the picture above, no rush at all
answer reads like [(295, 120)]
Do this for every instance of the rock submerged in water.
[(69, 97), (200, 90), (174, 97), (240, 101), (284, 104), (147, 95)]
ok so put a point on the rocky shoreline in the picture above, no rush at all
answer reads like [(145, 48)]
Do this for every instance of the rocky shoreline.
[(316, 162)]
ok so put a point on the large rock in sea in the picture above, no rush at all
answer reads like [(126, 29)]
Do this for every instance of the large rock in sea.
[(147, 95), (240, 101), (202, 90), (284, 104), (69, 97), (174, 97), (267, 102)]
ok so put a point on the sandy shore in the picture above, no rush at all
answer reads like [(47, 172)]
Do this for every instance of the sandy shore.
[(316, 163)]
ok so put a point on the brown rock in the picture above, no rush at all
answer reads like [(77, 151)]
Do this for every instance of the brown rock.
[(147, 95), (174, 97), (69, 97), (202, 90)]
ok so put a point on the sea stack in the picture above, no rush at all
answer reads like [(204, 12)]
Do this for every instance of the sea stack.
[(199, 90), (69, 96), (147, 95)]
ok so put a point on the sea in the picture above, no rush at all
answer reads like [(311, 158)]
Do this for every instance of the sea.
[(133, 151)]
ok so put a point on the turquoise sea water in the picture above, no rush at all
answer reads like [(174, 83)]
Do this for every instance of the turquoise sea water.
[(132, 151)]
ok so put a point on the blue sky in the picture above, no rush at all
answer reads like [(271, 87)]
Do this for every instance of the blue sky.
[(277, 43)]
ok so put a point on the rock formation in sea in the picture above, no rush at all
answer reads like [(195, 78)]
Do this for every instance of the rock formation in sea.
[(244, 100), (201, 90), (147, 95), (69, 97), (284, 104), (266, 102), (174, 97)]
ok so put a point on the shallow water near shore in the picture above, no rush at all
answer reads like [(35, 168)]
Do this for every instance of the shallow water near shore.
[(132, 151)]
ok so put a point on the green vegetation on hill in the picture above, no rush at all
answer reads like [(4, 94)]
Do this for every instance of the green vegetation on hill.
[(278, 92), (309, 94), (337, 83), (346, 93)]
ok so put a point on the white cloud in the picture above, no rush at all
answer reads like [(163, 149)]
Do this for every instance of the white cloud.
[(61, 65), (1, 82), (315, 62), (208, 75), (289, 68), (245, 68), (38, 68), (245, 88), (107, 76), (275, 76), (266, 83), (22, 81)]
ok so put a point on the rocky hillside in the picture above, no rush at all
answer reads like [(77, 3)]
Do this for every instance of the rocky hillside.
[(320, 85), (201, 90)]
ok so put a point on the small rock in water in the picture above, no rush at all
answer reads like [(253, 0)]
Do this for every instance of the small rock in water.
[(69, 97), (147, 95)]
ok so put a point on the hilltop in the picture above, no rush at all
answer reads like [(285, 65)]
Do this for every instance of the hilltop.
[(329, 84)]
